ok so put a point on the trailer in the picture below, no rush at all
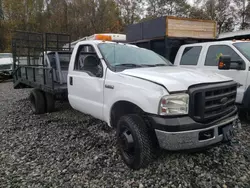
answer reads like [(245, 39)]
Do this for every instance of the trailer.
[(164, 35), (41, 61)]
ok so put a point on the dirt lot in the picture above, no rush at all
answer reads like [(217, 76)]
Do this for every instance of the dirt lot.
[(70, 149)]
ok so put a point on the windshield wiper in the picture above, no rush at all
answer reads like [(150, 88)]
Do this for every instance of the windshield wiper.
[(129, 65), (141, 65), (158, 65), (154, 65)]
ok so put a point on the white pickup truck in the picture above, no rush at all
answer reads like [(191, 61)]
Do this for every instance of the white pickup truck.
[(149, 102), (206, 56)]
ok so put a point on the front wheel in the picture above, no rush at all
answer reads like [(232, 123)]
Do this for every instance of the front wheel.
[(134, 142)]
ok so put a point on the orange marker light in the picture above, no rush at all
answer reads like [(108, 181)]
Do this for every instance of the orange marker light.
[(103, 37), (221, 64)]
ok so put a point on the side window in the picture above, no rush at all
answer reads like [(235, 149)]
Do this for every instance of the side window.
[(191, 55), (88, 61), (214, 52)]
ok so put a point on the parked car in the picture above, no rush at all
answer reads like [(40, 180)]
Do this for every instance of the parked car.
[(6, 62)]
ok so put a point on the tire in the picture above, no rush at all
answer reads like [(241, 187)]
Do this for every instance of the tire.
[(50, 102), (37, 101), (244, 115), (140, 153)]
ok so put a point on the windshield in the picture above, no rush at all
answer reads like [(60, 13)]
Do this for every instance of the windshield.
[(118, 55), (244, 48), (5, 56)]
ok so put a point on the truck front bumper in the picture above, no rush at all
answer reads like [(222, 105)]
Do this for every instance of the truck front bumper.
[(6, 72), (183, 133)]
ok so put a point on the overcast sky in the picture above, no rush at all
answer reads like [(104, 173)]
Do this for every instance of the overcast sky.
[(191, 1)]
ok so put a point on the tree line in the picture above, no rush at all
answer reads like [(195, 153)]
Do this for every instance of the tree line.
[(85, 17)]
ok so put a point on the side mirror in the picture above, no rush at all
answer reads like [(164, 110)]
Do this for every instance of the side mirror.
[(224, 62), (240, 65)]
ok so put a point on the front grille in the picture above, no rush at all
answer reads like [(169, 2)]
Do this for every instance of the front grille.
[(211, 102), (5, 67)]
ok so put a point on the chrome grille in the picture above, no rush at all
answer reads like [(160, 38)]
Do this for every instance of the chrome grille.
[(210, 102)]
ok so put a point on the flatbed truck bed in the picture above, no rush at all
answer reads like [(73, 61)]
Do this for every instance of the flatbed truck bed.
[(41, 61)]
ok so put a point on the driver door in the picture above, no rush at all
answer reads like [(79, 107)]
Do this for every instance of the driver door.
[(86, 82)]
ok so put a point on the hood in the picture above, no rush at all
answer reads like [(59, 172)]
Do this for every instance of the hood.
[(5, 61), (175, 78)]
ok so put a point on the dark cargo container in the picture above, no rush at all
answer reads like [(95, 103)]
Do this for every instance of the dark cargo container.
[(166, 34)]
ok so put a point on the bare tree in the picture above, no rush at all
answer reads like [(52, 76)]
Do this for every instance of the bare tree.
[(222, 11), (130, 11), (167, 7)]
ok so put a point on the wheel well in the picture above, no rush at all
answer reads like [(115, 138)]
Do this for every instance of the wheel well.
[(122, 108)]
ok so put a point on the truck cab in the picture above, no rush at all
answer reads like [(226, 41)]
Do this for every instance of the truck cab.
[(206, 57), (150, 102)]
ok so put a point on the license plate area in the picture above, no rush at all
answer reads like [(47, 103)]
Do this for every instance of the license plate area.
[(227, 132), (205, 135)]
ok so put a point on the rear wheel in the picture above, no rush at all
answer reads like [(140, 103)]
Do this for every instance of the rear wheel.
[(134, 142), (37, 101), (50, 102)]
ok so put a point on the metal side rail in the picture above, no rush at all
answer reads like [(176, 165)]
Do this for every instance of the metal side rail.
[(37, 77)]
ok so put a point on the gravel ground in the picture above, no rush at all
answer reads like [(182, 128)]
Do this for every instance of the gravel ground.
[(70, 149)]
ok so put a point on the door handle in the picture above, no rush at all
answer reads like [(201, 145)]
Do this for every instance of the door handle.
[(71, 80), (109, 86)]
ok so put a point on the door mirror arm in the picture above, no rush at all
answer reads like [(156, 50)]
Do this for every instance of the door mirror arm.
[(240, 64)]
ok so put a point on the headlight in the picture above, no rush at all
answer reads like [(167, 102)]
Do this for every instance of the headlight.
[(176, 104)]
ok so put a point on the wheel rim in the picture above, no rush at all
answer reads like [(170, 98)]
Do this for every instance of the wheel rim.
[(127, 144)]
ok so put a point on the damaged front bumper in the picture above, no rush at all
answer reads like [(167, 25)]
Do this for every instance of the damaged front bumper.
[(183, 133)]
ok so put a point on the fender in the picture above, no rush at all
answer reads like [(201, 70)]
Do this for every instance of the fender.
[(142, 101), (246, 99)]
